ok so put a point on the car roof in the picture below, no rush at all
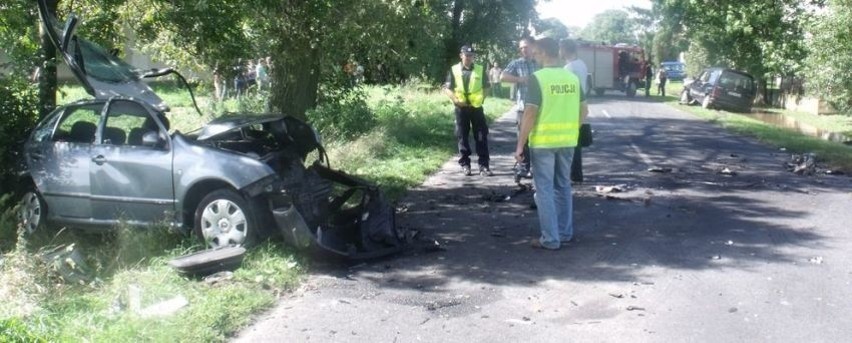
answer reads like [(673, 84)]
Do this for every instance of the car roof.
[(730, 71)]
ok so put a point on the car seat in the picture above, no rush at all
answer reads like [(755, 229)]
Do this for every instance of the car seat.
[(82, 132), (114, 136)]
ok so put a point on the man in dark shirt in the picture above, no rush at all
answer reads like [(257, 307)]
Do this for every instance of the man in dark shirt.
[(465, 86)]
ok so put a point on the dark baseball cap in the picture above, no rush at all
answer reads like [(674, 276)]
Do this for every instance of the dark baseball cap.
[(467, 50)]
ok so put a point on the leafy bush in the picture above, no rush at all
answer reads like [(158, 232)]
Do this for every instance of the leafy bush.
[(344, 118), (827, 66), (18, 108)]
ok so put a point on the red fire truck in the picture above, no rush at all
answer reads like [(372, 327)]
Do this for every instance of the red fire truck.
[(618, 67)]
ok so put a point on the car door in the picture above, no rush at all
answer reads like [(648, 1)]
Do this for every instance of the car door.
[(58, 155), (130, 181)]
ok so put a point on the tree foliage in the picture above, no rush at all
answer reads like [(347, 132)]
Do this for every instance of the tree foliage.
[(611, 26), (763, 37), (830, 59)]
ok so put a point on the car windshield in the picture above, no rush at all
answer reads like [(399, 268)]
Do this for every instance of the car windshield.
[(97, 63)]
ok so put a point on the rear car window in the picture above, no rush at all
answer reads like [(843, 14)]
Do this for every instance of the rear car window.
[(736, 82)]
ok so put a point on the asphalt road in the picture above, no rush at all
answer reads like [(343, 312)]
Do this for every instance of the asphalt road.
[(688, 255)]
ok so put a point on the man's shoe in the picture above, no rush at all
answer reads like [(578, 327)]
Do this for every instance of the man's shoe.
[(466, 171), (485, 171), (536, 244)]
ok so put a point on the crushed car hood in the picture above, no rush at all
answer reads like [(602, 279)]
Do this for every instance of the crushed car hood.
[(231, 123), (102, 74)]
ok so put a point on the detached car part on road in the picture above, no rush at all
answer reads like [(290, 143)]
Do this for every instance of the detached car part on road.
[(241, 178)]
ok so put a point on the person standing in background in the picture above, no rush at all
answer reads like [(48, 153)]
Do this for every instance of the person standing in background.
[(494, 77), (568, 51), (465, 86), (518, 73)]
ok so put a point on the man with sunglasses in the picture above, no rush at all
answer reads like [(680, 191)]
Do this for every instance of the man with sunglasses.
[(518, 72)]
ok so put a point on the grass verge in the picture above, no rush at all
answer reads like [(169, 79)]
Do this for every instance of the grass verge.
[(836, 155), (99, 288)]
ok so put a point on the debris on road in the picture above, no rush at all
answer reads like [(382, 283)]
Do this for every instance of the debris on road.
[(658, 169), (804, 164), (616, 295), (815, 260), (436, 305), (610, 189), (635, 308), (727, 171)]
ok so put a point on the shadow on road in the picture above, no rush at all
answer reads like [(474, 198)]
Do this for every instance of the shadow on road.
[(693, 217)]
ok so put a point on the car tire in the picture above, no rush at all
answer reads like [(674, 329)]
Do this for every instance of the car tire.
[(599, 91), (706, 104), (225, 218), (684, 98), (32, 212)]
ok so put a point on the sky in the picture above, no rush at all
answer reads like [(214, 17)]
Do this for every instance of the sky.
[(580, 12)]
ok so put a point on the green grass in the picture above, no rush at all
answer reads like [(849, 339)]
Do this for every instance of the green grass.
[(412, 138), (835, 155)]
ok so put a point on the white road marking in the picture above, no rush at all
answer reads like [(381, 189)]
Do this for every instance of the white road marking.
[(635, 147)]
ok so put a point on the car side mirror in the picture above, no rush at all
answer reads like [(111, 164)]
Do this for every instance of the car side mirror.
[(152, 139)]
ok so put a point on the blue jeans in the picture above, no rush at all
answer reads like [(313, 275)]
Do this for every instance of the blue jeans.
[(551, 169)]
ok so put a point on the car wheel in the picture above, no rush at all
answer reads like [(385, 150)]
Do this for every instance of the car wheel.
[(684, 97), (32, 212), (224, 218), (599, 91), (706, 103)]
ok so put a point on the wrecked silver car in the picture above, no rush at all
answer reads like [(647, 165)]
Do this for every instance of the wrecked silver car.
[(239, 179)]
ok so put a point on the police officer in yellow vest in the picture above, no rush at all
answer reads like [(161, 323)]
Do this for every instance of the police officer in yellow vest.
[(555, 107), (465, 86)]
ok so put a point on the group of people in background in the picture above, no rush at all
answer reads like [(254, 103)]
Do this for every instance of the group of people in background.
[(550, 108), (245, 75)]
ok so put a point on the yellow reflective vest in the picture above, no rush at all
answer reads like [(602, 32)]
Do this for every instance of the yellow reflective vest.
[(558, 122), (474, 95)]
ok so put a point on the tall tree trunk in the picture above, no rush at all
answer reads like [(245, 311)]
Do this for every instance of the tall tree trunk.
[(47, 82), (454, 43), (295, 77)]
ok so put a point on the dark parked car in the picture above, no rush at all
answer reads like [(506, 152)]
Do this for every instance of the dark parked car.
[(720, 88), (242, 177), (675, 71)]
